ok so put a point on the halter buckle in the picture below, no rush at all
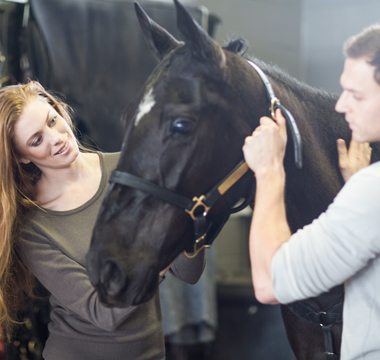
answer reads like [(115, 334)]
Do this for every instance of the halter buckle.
[(198, 202), (273, 102)]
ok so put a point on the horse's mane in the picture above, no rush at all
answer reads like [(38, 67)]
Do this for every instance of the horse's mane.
[(300, 89)]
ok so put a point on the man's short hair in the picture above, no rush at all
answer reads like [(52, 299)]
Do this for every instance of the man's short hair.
[(367, 45)]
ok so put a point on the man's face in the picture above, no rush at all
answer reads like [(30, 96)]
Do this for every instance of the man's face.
[(360, 100)]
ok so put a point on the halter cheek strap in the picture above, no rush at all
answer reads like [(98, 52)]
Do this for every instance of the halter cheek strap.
[(275, 104)]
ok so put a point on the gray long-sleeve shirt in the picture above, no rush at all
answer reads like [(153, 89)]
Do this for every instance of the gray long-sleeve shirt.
[(53, 245), (341, 246)]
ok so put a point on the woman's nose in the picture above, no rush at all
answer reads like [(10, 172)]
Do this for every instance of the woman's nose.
[(57, 137)]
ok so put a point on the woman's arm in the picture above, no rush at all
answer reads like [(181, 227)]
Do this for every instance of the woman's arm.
[(68, 282)]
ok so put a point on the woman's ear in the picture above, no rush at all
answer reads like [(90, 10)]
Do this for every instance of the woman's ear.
[(23, 160)]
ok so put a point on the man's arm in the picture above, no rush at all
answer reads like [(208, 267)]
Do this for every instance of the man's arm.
[(264, 153), (269, 229)]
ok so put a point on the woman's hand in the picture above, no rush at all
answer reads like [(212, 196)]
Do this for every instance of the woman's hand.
[(355, 158), (266, 147), (163, 272)]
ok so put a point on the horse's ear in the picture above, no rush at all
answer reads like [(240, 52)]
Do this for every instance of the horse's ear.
[(159, 40), (238, 47), (196, 38)]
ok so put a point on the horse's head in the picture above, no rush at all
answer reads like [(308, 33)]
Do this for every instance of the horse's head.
[(184, 132)]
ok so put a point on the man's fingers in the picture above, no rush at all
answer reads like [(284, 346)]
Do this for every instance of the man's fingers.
[(355, 146), (280, 120), (353, 159), (342, 152), (278, 117), (265, 120)]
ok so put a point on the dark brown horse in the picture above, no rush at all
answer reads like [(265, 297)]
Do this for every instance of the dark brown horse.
[(184, 132)]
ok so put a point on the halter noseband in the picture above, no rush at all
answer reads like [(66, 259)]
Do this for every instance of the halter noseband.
[(198, 207)]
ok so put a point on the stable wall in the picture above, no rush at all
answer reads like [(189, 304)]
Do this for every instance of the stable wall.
[(326, 25), (304, 37)]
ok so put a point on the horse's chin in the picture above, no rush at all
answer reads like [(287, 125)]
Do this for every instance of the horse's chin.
[(148, 289), (109, 301), (129, 296)]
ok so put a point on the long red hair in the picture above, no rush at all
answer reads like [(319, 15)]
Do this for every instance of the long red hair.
[(17, 196)]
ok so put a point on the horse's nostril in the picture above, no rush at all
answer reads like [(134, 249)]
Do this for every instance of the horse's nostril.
[(113, 277)]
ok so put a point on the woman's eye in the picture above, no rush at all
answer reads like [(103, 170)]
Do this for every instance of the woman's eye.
[(37, 141), (53, 121), (182, 126)]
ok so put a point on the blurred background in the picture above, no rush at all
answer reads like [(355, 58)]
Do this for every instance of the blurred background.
[(304, 37), (93, 52)]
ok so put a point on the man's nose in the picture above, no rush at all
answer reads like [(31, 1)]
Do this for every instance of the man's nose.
[(341, 104)]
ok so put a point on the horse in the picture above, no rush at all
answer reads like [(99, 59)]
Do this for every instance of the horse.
[(183, 134)]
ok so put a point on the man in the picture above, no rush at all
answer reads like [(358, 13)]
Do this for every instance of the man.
[(343, 244)]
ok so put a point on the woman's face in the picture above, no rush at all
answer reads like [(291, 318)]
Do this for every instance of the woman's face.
[(43, 137)]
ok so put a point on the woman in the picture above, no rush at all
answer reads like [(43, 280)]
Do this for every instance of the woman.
[(51, 193)]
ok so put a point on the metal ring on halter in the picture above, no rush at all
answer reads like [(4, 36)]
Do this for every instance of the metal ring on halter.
[(196, 251), (273, 102)]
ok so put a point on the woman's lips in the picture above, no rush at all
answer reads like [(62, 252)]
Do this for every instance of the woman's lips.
[(63, 148)]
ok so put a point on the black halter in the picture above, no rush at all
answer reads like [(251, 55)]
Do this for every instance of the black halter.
[(325, 319), (205, 231), (275, 104), (197, 208)]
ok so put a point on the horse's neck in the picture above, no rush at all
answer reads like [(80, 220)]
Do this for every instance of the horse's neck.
[(307, 101), (313, 188)]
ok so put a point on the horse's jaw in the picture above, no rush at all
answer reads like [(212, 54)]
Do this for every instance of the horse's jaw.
[(121, 286), (128, 250)]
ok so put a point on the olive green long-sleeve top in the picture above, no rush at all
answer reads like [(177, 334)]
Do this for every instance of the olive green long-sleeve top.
[(53, 245)]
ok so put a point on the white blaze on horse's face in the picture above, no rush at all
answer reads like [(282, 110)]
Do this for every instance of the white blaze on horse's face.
[(145, 106)]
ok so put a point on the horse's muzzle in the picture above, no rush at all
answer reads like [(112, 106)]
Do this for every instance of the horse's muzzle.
[(109, 279), (116, 287)]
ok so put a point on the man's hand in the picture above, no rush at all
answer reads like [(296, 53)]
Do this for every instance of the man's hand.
[(266, 147), (355, 158)]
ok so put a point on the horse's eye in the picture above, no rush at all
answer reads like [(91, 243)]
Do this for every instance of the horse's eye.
[(182, 126)]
